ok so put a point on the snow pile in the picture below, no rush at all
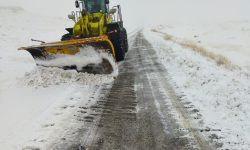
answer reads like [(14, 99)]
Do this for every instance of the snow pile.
[(220, 96), (87, 55), (47, 76), (14, 67)]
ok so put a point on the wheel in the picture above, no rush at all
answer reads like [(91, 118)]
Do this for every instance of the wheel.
[(66, 37), (117, 40), (125, 39)]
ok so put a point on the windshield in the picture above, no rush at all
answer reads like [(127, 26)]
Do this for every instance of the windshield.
[(95, 5)]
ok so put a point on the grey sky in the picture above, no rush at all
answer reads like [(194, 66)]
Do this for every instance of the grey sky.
[(139, 12)]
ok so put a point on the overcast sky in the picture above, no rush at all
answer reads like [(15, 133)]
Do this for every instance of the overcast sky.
[(140, 12)]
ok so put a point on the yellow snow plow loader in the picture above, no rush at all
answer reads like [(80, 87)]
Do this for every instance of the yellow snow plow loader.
[(96, 25)]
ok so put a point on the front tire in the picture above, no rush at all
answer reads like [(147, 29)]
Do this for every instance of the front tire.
[(125, 40), (118, 42)]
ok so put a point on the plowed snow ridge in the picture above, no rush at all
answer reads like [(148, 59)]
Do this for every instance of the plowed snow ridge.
[(87, 55)]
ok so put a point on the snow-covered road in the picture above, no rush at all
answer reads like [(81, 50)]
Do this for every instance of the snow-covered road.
[(142, 110)]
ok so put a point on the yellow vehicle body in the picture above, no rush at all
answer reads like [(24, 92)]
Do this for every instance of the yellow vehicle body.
[(95, 25), (92, 24)]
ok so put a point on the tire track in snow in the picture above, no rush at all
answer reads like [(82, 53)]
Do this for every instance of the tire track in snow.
[(142, 110)]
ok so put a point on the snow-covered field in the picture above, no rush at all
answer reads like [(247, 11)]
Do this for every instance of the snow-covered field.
[(219, 95), (229, 38), (17, 28)]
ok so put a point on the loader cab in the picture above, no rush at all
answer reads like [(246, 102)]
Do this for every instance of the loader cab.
[(94, 6)]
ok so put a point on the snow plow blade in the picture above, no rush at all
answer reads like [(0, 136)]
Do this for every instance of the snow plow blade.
[(72, 47)]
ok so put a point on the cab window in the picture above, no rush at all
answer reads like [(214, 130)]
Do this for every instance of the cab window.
[(95, 5)]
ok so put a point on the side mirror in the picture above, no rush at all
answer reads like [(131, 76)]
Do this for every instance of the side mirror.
[(107, 1), (72, 17), (112, 11), (77, 4)]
